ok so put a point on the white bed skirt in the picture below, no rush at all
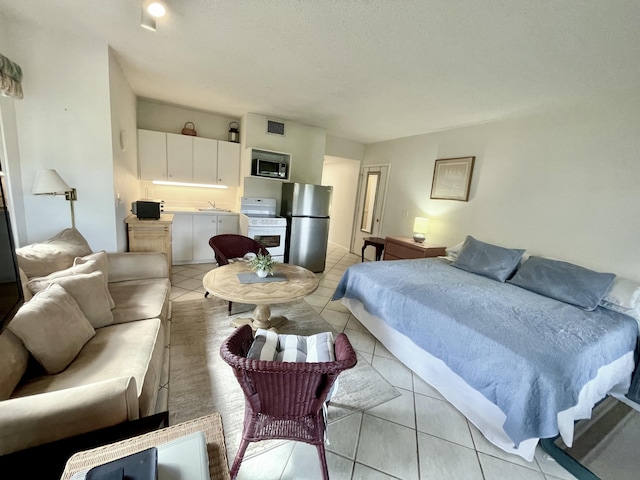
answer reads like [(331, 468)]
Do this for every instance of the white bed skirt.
[(612, 379)]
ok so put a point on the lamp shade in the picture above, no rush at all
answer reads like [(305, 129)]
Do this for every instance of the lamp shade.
[(48, 182), (421, 225)]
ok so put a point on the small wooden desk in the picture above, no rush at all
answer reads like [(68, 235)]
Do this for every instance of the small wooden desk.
[(223, 283), (401, 248), (376, 242)]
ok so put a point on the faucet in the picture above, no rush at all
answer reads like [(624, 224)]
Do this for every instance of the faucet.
[(212, 204)]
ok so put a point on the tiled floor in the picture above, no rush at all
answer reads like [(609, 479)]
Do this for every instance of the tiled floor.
[(417, 435)]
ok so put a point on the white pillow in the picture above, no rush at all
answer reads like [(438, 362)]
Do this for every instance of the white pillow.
[(623, 297), (53, 328), (91, 295), (453, 252), (41, 283)]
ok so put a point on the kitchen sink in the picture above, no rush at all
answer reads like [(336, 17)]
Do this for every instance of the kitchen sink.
[(212, 209)]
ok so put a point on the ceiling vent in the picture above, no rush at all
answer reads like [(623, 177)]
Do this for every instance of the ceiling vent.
[(276, 128)]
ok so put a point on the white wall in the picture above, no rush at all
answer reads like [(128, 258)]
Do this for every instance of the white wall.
[(342, 174), (161, 117), (343, 148), (64, 122), (564, 184), (125, 148)]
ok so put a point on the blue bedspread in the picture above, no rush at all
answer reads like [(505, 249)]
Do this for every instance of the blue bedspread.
[(528, 354)]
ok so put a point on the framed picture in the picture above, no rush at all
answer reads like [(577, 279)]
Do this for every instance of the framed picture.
[(452, 178)]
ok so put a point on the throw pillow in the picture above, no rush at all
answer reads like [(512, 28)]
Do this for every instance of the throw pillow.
[(14, 359), (102, 261), (91, 295), (40, 283), (563, 281), (487, 260), (57, 253), (53, 328)]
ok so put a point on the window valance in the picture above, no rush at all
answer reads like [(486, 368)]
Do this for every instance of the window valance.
[(10, 78)]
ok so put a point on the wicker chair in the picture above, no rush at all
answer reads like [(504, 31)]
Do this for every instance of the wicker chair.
[(229, 245), (283, 400)]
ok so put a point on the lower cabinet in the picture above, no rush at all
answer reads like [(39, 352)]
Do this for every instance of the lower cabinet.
[(191, 234)]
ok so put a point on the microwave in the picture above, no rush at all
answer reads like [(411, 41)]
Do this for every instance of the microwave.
[(269, 168), (146, 209)]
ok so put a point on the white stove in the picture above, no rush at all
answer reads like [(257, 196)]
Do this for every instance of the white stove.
[(258, 220)]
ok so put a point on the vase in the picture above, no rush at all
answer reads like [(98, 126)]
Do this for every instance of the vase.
[(262, 273)]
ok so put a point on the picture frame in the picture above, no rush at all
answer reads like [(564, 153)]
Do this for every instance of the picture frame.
[(452, 178)]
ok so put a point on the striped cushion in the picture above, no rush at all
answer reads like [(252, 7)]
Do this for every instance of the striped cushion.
[(268, 345)]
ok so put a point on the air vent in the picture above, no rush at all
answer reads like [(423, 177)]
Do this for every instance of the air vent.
[(277, 128)]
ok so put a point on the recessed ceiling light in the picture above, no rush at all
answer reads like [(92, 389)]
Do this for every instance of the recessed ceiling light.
[(156, 9)]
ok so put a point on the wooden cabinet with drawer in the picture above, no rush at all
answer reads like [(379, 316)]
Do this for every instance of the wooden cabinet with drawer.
[(402, 248)]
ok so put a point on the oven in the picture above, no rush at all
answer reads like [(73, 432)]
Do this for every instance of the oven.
[(272, 237), (258, 220)]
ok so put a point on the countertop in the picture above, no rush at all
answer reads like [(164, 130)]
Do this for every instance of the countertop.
[(197, 211)]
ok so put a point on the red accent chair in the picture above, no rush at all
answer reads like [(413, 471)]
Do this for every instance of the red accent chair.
[(229, 245), (283, 400)]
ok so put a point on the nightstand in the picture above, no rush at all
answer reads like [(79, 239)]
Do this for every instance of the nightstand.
[(402, 248)]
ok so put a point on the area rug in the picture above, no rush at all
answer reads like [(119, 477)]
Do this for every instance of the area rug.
[(200, 382)]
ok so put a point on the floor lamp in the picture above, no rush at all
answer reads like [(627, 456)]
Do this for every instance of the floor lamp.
[(49, 182)]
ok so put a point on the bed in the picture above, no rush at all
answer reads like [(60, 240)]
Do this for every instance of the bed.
[(519, 365)]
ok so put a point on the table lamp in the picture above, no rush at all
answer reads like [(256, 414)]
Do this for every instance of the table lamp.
[(49, 182), (420, 227)]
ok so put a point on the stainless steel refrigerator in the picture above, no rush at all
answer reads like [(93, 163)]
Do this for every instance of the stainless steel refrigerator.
[(306, 208)]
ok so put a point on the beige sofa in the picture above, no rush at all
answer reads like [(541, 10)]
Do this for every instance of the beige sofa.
[(86, 352)]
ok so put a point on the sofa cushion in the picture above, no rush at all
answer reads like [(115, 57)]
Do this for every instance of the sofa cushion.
[(140, 299), (91, 294), (134, 349), (57, 253), (53, 328), (14, 359)]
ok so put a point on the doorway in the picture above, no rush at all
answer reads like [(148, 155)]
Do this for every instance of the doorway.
[(372, 194)]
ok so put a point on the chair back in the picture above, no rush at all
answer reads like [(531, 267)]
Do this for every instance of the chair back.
[(283, 389), (229, 245)]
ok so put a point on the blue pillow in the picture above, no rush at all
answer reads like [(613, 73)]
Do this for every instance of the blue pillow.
[(564, 281), (488, 260)]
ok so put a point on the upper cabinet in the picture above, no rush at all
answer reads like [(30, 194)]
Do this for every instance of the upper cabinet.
[(152, 155), (182, 158)]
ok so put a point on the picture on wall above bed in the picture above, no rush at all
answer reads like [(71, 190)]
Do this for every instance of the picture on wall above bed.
[(452, 178)]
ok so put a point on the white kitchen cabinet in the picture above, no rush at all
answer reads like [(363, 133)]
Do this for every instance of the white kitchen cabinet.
[(204, 227), (228, 163), (205, 160), (179, 158), (191, 234), (182, 238), (152, 155), (183, 158)]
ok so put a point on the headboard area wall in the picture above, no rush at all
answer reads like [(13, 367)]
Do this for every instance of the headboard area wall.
[(564, 184)]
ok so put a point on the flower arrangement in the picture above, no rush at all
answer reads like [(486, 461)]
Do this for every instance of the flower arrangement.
[(263, 264)]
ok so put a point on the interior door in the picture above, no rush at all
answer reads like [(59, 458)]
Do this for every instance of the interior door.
[(372, 193)]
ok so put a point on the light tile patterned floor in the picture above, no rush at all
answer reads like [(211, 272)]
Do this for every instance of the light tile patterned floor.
[(416, 436)]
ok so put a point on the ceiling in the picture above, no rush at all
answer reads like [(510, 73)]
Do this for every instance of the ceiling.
[(365, 70)]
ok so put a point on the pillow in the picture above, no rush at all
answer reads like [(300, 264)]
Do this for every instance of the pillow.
[(53, 328), (57, 253), (488, 260), (623, 297), (14, 359), (453, 252), (268, 345), (102, 261), (91, 295), (563, 281), (40, 283)]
